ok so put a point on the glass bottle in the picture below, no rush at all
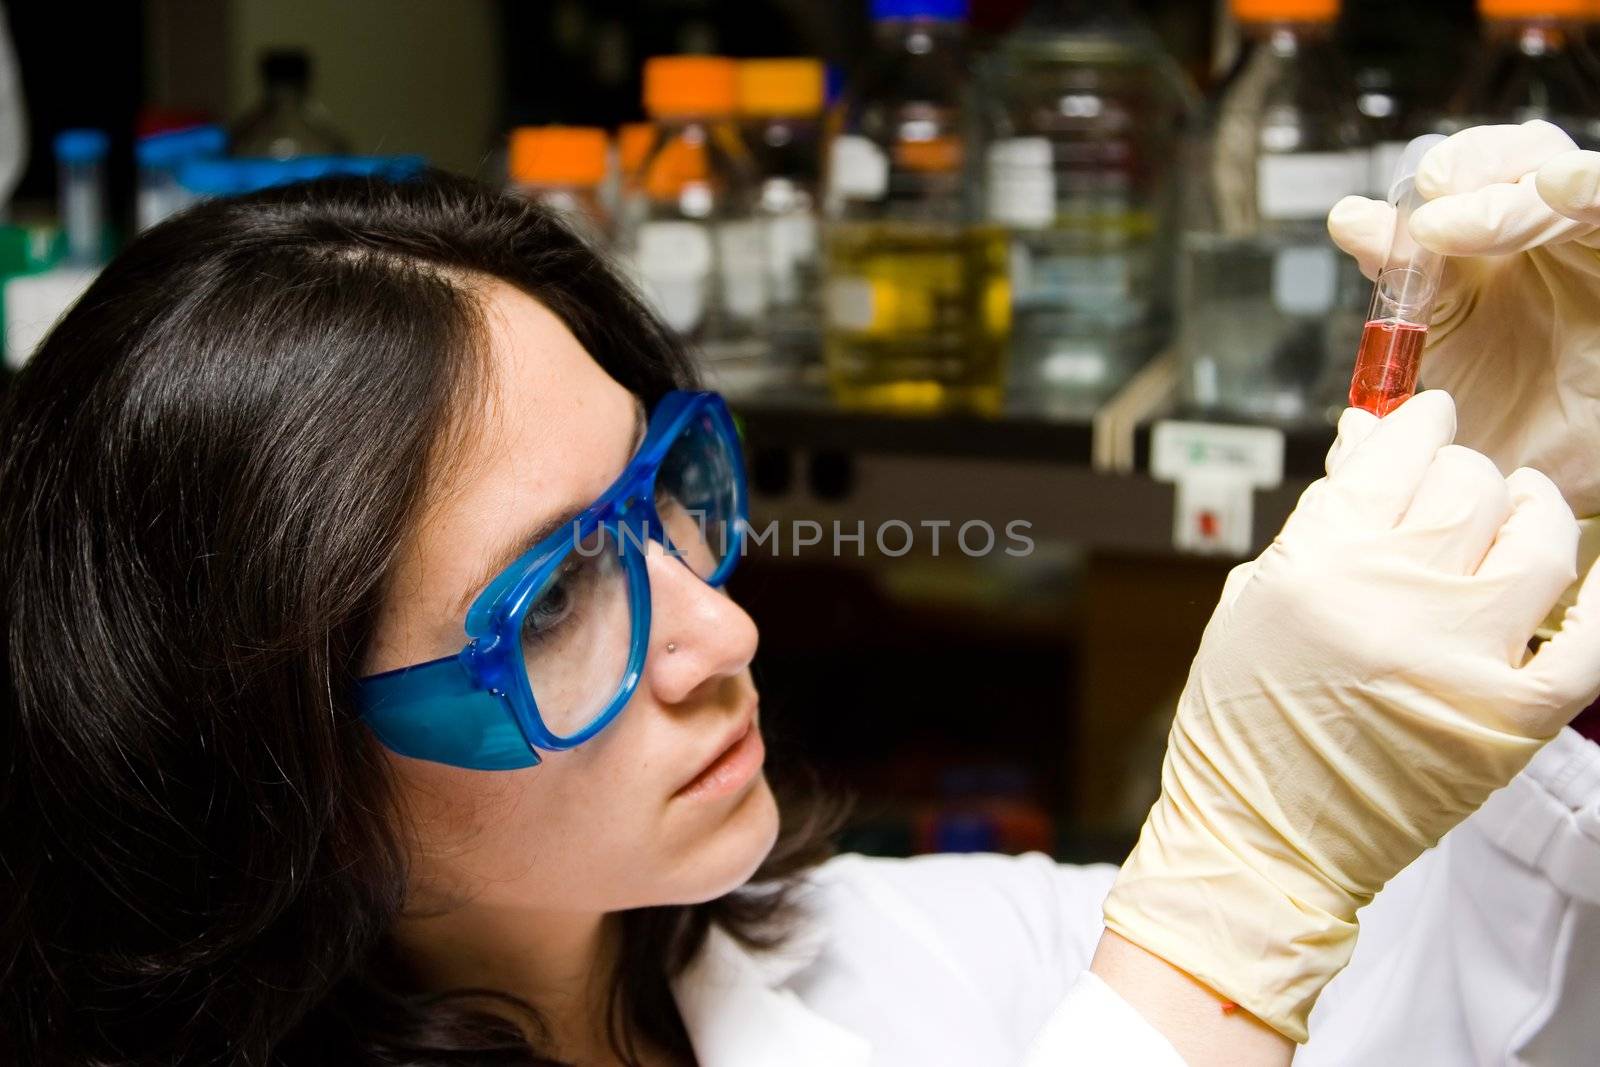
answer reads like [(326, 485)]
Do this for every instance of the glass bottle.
[(1533, 65), (780, 108), (1083, 174), (917, 298), (1269, 310), (695, 246), (563, 167), (287, 122)]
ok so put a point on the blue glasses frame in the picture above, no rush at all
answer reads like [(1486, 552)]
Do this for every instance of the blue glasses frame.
[(475, 709)]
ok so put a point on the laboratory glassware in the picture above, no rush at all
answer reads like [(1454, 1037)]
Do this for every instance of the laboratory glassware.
[(693, 242), (564, 168), (80, 162), (1083, 174), (1269, 309), (917, 297), (287, 122), (780, 110), (1396, 330)]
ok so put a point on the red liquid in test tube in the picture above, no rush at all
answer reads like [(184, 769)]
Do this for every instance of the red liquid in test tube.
[(1402, 300), (1386, 365)]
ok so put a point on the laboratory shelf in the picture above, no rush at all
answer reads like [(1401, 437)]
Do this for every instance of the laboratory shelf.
[(810, 461)]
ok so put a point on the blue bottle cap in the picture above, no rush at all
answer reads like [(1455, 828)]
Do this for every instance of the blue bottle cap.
[(82, 146), (170, 147), (235, 177), (943, 10)]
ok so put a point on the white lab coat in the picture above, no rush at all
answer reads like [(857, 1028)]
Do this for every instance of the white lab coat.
[(1485, 951)]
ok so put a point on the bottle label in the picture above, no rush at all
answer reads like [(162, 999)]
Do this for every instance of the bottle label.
[(742, 249), (791, 251), (1022, 183), (849, 303), (675, 262), (859, 170), (1305, 280), (1306, 185)]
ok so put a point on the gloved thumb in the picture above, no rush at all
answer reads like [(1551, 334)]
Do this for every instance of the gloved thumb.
[(1566, 669), (1355, 426), (1570, 184), (1363, 228)]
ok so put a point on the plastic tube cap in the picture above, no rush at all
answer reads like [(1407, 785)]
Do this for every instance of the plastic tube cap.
[(1285, 10), (688, 86), (557, 155), (82, 146), (1533, 9), (780, 87), (1405, 169), (942, 10)]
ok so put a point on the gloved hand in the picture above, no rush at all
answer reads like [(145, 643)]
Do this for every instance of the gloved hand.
[(1515, 336), (1362, 687)]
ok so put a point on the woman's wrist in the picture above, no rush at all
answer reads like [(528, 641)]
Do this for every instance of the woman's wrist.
[(1205, 1027)]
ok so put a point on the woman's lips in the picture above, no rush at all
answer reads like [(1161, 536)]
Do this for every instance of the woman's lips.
[(734, 767)]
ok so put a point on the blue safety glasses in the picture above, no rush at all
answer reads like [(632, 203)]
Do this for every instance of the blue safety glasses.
[(557, 640)]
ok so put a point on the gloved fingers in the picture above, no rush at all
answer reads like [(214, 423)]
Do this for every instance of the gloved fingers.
[(1458, 509), (1355, 424), (1570, 183), (1375, 482), (1496, 220), (1534, 555), (1363, 228), (1566, 669), (1234, 585), (1489, 155)]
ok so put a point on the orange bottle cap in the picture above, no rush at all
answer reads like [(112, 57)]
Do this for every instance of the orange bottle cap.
[(780, 87), (633, 144), (557, 155), (1533, 9), (1285, 10), (687, 86)]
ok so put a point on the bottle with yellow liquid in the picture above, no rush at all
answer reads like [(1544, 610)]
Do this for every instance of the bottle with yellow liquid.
[(917, 298)]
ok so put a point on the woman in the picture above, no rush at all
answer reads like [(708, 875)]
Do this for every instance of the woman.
[(266, 803)]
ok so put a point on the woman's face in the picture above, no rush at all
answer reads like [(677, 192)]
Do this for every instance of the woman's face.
[(621, 821)]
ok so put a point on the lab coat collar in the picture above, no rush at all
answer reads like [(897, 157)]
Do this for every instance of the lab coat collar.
[(739, 1014)]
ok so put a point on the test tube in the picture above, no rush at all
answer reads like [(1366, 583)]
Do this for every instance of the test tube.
[(1402, 300), (80, 158)]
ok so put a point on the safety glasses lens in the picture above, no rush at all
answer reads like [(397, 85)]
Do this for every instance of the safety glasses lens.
[(697, 497), (575, 635)]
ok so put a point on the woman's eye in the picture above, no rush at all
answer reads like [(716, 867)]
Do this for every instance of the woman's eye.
[(557, 604)]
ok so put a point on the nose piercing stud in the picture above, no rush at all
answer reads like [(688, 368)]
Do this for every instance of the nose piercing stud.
[(671, 647)]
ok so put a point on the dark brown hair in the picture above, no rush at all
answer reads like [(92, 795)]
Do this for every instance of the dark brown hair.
[(204, 473)]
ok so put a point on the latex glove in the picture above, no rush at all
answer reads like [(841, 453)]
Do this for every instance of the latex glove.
[(1362, 687), (1515, 336)]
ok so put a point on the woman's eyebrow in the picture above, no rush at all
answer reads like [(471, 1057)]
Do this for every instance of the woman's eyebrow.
[(525, 543)]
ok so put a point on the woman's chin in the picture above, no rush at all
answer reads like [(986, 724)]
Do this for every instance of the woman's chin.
[(731, 854)]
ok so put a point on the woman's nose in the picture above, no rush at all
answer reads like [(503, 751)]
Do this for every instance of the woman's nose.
[(697, 632)]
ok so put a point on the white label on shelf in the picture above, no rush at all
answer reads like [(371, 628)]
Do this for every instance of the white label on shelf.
[(1305, 185), (1022, 183), (849, 303), (1305, 279), (858, 169), (674, 262), (1217, 470), (1252, 453), (743, 250), (1213, 515)]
